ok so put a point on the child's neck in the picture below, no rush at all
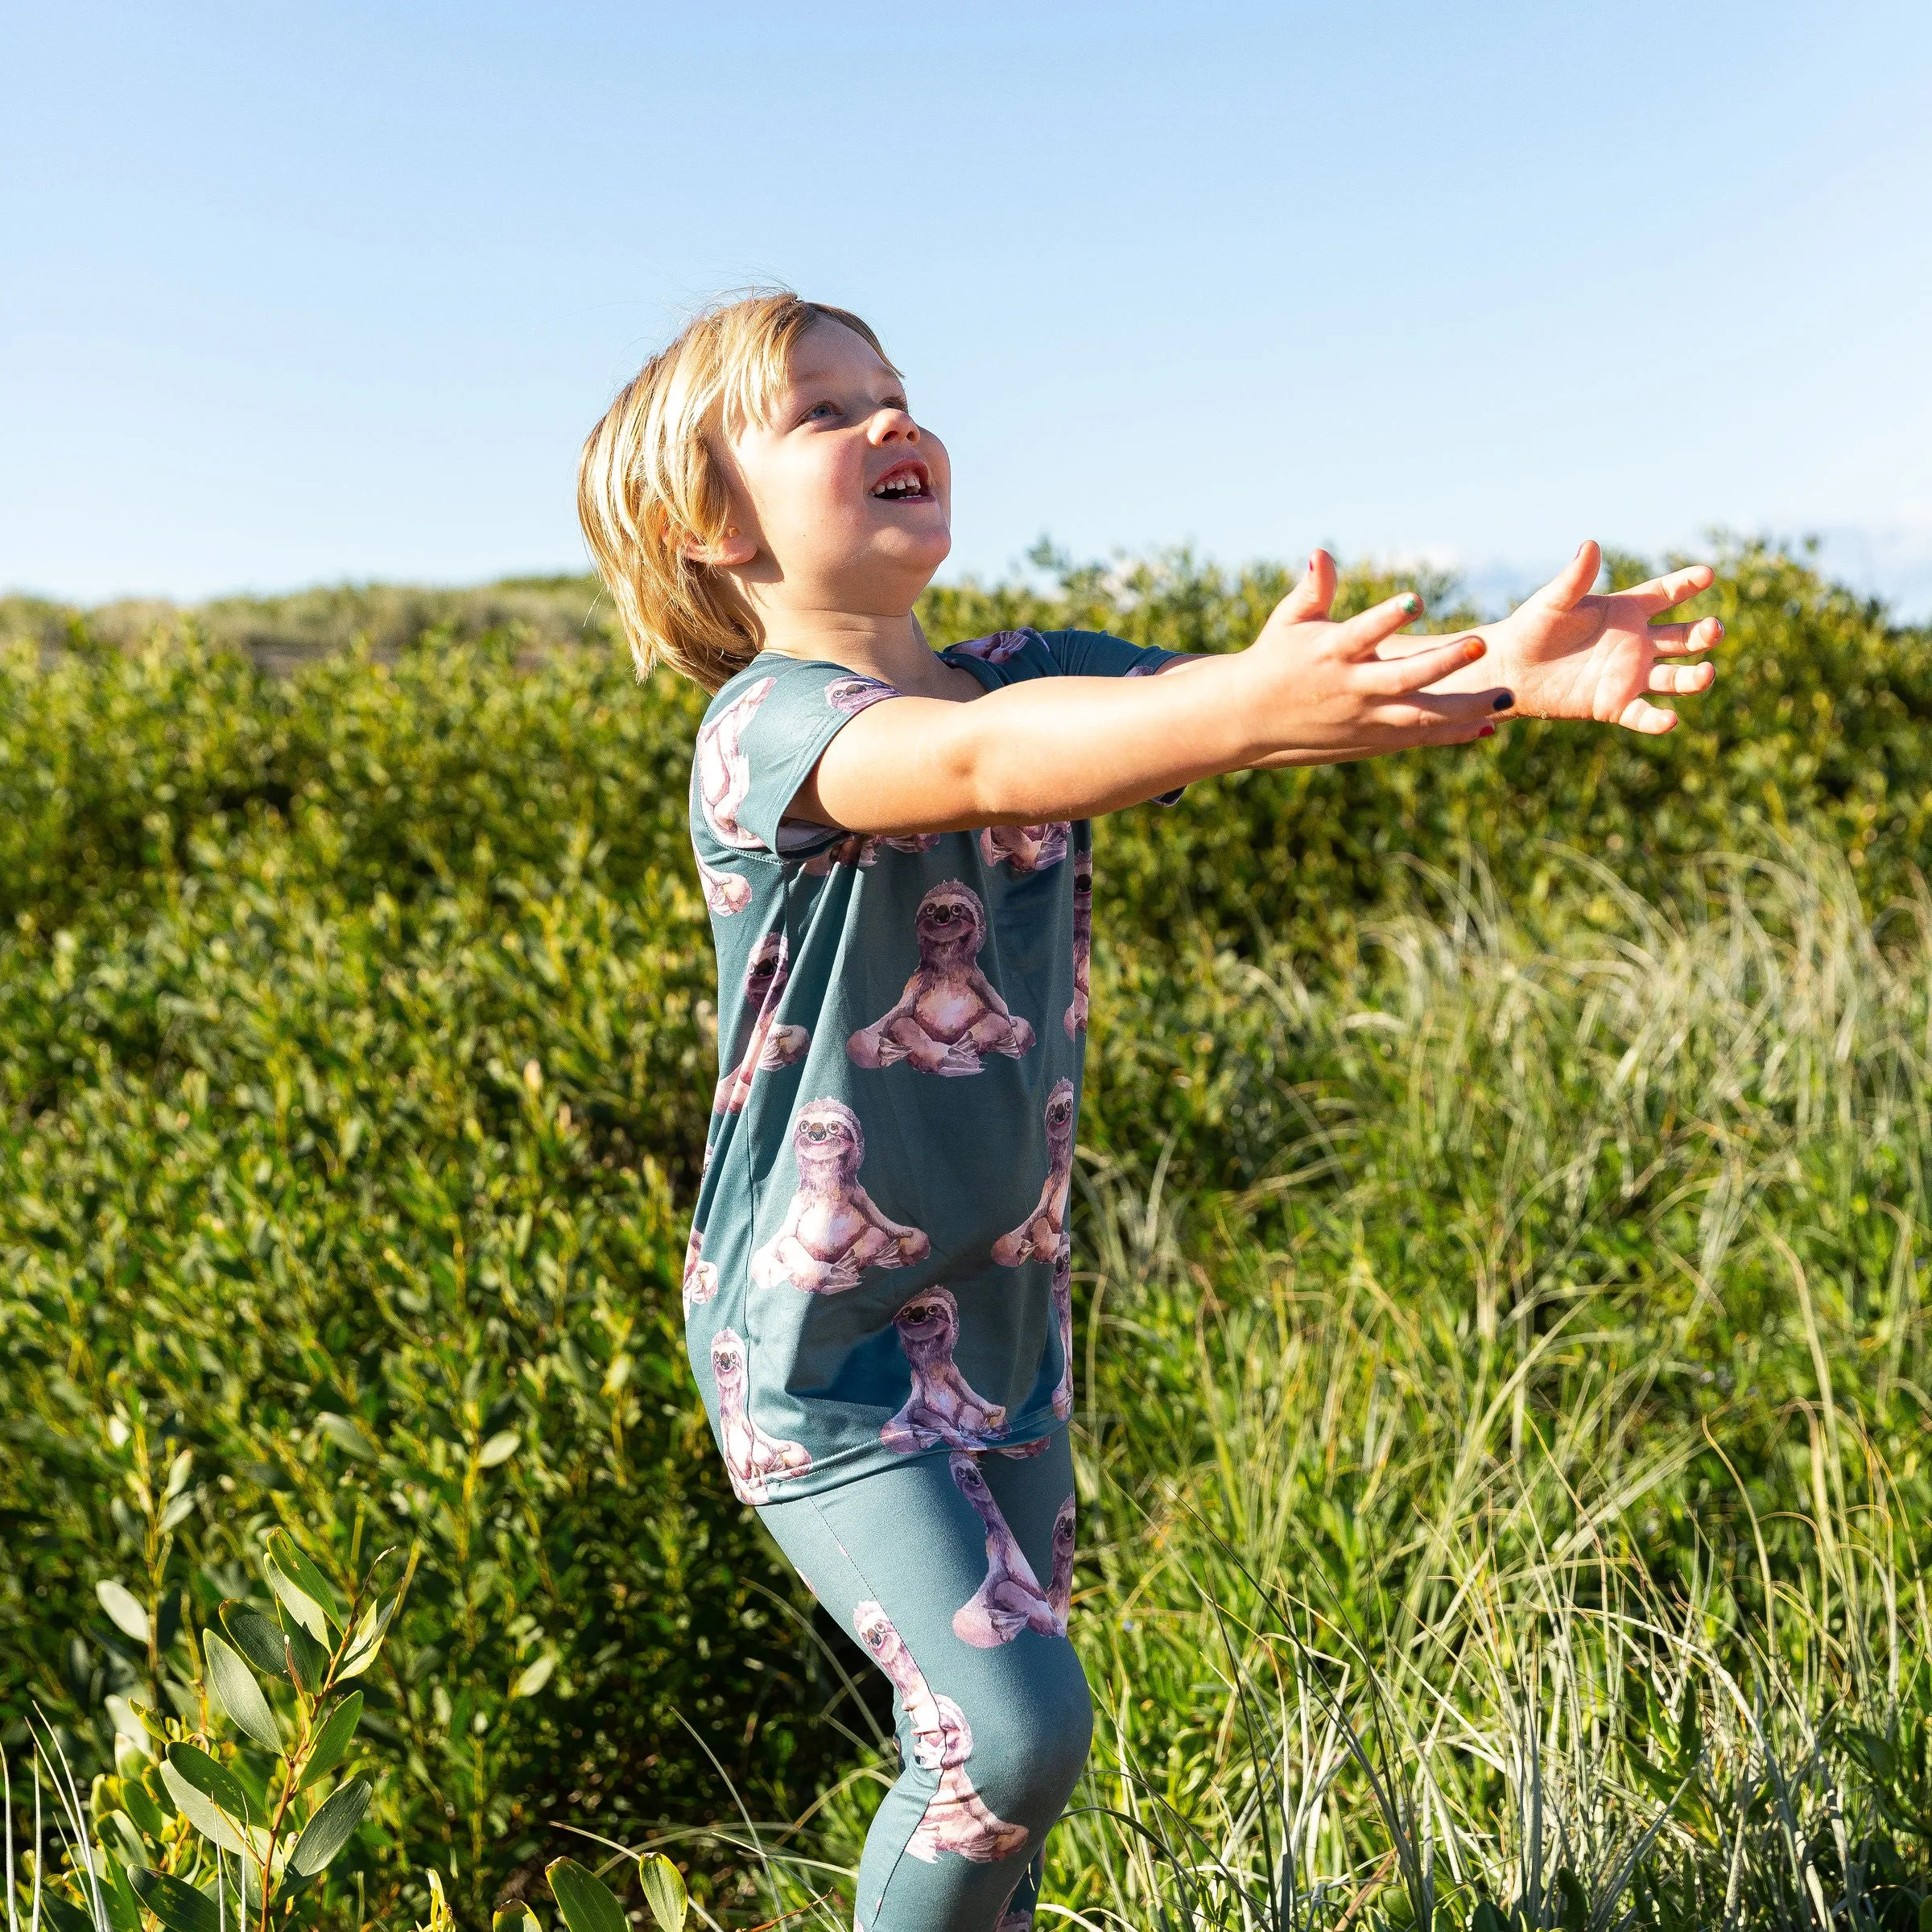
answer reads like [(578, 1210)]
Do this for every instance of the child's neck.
[(891, 649)]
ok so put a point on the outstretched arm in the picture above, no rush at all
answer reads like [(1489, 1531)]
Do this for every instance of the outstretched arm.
[(1071, 748)]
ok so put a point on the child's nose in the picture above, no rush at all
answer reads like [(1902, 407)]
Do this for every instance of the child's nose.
[(893, 426)]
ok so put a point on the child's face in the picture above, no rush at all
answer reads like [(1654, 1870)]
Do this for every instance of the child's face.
[(846, 499)]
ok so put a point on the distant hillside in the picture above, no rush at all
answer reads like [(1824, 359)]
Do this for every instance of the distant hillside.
[(278, 632)]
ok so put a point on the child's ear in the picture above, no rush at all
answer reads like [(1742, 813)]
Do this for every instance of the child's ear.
[(732, 549)]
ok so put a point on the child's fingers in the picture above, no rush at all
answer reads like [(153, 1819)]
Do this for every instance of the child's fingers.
[(1360, 636), (1311, 596), (1416, 669), (1660, 593), (1680, 680), (1571, 584), (1680, 640), (1638, 716)]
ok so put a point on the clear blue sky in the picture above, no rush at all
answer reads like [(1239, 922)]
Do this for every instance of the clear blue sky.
[(296, 294)]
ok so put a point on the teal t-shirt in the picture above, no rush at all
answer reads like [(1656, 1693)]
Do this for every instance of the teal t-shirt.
[(879, 1265)]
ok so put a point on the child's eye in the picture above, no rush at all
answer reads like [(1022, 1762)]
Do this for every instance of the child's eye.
[(829, 409)]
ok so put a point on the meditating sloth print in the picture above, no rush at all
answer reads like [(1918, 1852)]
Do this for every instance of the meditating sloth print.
[(1024, 849), (833, 1228), (862, 849), (996, 649), (852, 696), (1076, 1016), (1038, 1237), (770, 1046), (752, 1456), (949, 1014), (956, 1818), (700, 1277), (1010, 1600), (942, 1408), (724, 892), (723, 771)]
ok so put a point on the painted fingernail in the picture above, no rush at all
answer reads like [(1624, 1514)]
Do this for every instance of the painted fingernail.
[(1313, 557), (1503, 700), (1477, 649), (1409, 604), (1488, 731)]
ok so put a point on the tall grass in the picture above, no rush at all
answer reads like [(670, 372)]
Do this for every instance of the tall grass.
[(1438, 1577)]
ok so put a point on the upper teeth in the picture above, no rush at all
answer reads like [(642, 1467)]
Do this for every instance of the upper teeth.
[(896, 486)]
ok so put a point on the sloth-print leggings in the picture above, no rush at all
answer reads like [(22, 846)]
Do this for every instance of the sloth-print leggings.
[(953, 1572)]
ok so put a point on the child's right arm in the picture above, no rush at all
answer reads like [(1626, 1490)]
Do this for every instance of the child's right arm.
[(1305, 691)]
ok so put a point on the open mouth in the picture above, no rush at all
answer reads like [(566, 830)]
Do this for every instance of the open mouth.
[(910, 482)]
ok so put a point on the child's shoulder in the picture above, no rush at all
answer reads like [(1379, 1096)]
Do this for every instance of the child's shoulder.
[(782, 684)]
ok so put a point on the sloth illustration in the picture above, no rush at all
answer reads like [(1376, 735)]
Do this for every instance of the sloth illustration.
[(862, 849), (700, 1277), (1039, 1237), (724, 892), (1010, 1600), (833, 1228), (723, 771), (949, 1014), (1059, 1591), (770, 1046), (1024, 849), (852, 696), (942, 1407), (996, 649), (1063, 1311), (753, 1455), (1082, 941), (956, 1818)]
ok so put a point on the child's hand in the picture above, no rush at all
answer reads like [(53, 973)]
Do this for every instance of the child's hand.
[(1565, 654)]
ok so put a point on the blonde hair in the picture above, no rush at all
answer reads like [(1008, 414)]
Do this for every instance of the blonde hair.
[(650, 479)]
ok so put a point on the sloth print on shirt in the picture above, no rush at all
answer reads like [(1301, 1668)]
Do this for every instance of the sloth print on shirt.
[(770, 1046), (833, 1227), (949, 1014)]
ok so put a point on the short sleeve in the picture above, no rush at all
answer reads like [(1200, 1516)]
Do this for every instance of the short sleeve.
[(1094, 654), (761, 736)]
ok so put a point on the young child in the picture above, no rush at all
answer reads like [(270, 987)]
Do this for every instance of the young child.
[(895, 847)]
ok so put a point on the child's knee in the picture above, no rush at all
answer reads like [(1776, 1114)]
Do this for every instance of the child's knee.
[(1039, 1743)]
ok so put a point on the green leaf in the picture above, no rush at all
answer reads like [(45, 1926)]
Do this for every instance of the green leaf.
[(333, 1739), (126, 1835), (587, 1903), (238, 1693), (211, 1799), (664, 1891), (141, 1808), (297, 1603), (515, 1918), (124, 1609), (500, 1448), (346, 1437), (117, 1896), (257, 1637), (288, 1558), (367, 1640), (1576, 1905), (1486, 1918), (307, 1660), (533, 1676), (328, 1831), (178, 1473), (180, 1907), (66, 1917)]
